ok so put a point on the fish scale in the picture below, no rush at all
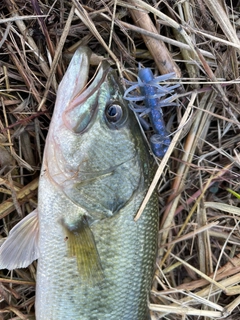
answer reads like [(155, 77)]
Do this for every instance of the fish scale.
[(122, 296), (94, 261)]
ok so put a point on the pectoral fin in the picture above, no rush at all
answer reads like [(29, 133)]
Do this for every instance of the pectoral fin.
[(81, 244), (20, 248)]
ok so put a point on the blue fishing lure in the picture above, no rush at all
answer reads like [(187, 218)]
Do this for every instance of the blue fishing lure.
[(152, 94)]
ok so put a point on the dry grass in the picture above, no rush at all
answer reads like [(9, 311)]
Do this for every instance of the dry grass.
[(198, 179)]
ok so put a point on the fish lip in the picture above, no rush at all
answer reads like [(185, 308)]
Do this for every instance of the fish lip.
[(93, 87), (73, 82), (76, 75), (76, 124)]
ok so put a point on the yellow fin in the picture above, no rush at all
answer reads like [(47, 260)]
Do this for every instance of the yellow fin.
[(81, 244)]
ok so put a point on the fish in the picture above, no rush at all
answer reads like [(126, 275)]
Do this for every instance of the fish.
[(94, 261), (152, 93)]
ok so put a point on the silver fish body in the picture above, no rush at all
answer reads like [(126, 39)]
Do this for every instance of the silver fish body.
[(95, 262)]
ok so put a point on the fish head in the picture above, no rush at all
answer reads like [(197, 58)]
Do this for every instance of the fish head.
[(95, 149)]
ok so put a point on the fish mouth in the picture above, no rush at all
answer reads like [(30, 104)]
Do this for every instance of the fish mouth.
[(95, 83), (79, 113)]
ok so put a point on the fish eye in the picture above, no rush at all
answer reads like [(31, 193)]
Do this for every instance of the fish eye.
[(114, 112)]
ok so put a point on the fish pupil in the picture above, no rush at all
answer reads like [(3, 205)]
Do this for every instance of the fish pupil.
[(114, 112)]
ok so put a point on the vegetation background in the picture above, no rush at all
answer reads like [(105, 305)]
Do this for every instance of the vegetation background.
[(198, 263)]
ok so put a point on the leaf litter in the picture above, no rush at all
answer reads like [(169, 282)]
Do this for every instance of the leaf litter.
[(198, 262)]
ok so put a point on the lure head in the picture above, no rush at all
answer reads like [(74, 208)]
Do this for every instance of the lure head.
[(152, 94)]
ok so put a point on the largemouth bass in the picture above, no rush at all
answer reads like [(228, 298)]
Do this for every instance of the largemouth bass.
[(94, 261)]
